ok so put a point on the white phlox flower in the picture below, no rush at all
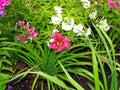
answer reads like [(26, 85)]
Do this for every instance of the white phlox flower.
[(68, 26), (93, 15), (72, 22), (86, 3), (57, 9), (88, 32), (56, 20), (103, 25), (78, 29)]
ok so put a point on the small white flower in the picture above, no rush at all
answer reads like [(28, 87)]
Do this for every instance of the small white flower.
[(78, 29), (95, 2), (83, 0), (104, 25), (88, 32), (68, 26), (72, 22), (86, 3), (56, 20), (93, 15), (27, 4), (57, 9)]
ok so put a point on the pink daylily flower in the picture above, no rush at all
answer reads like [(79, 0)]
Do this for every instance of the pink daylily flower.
[(60, 42)]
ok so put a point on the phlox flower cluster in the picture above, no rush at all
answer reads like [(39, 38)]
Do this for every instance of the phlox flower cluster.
[(103, 25), (3, 4), (78, 29), (56, 19), (85, 3), (28, 32), (114, 4), (93, 15), (68, 24)]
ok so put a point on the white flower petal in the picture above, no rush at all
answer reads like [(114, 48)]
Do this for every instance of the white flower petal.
[(55, 30), (88, 32), (56, 20), (93, 15), (103, 25), (66, 27), (77, 28), (57, 9)]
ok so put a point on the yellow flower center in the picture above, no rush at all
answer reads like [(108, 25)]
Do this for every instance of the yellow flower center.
[(59, 43)]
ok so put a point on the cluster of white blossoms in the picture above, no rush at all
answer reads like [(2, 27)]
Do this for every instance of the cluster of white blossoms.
[(79, 29), (56, 19), (93, 15), (85, 3), (68, 24), (103, 22), (103, 25)]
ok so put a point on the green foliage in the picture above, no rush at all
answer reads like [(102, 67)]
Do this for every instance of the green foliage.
[(5, 66), (74, 83), (85, 51), (3, 80), (41, 58), (111, 56)]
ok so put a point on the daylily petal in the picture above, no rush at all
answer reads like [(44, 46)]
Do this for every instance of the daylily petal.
[(59, 43)]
